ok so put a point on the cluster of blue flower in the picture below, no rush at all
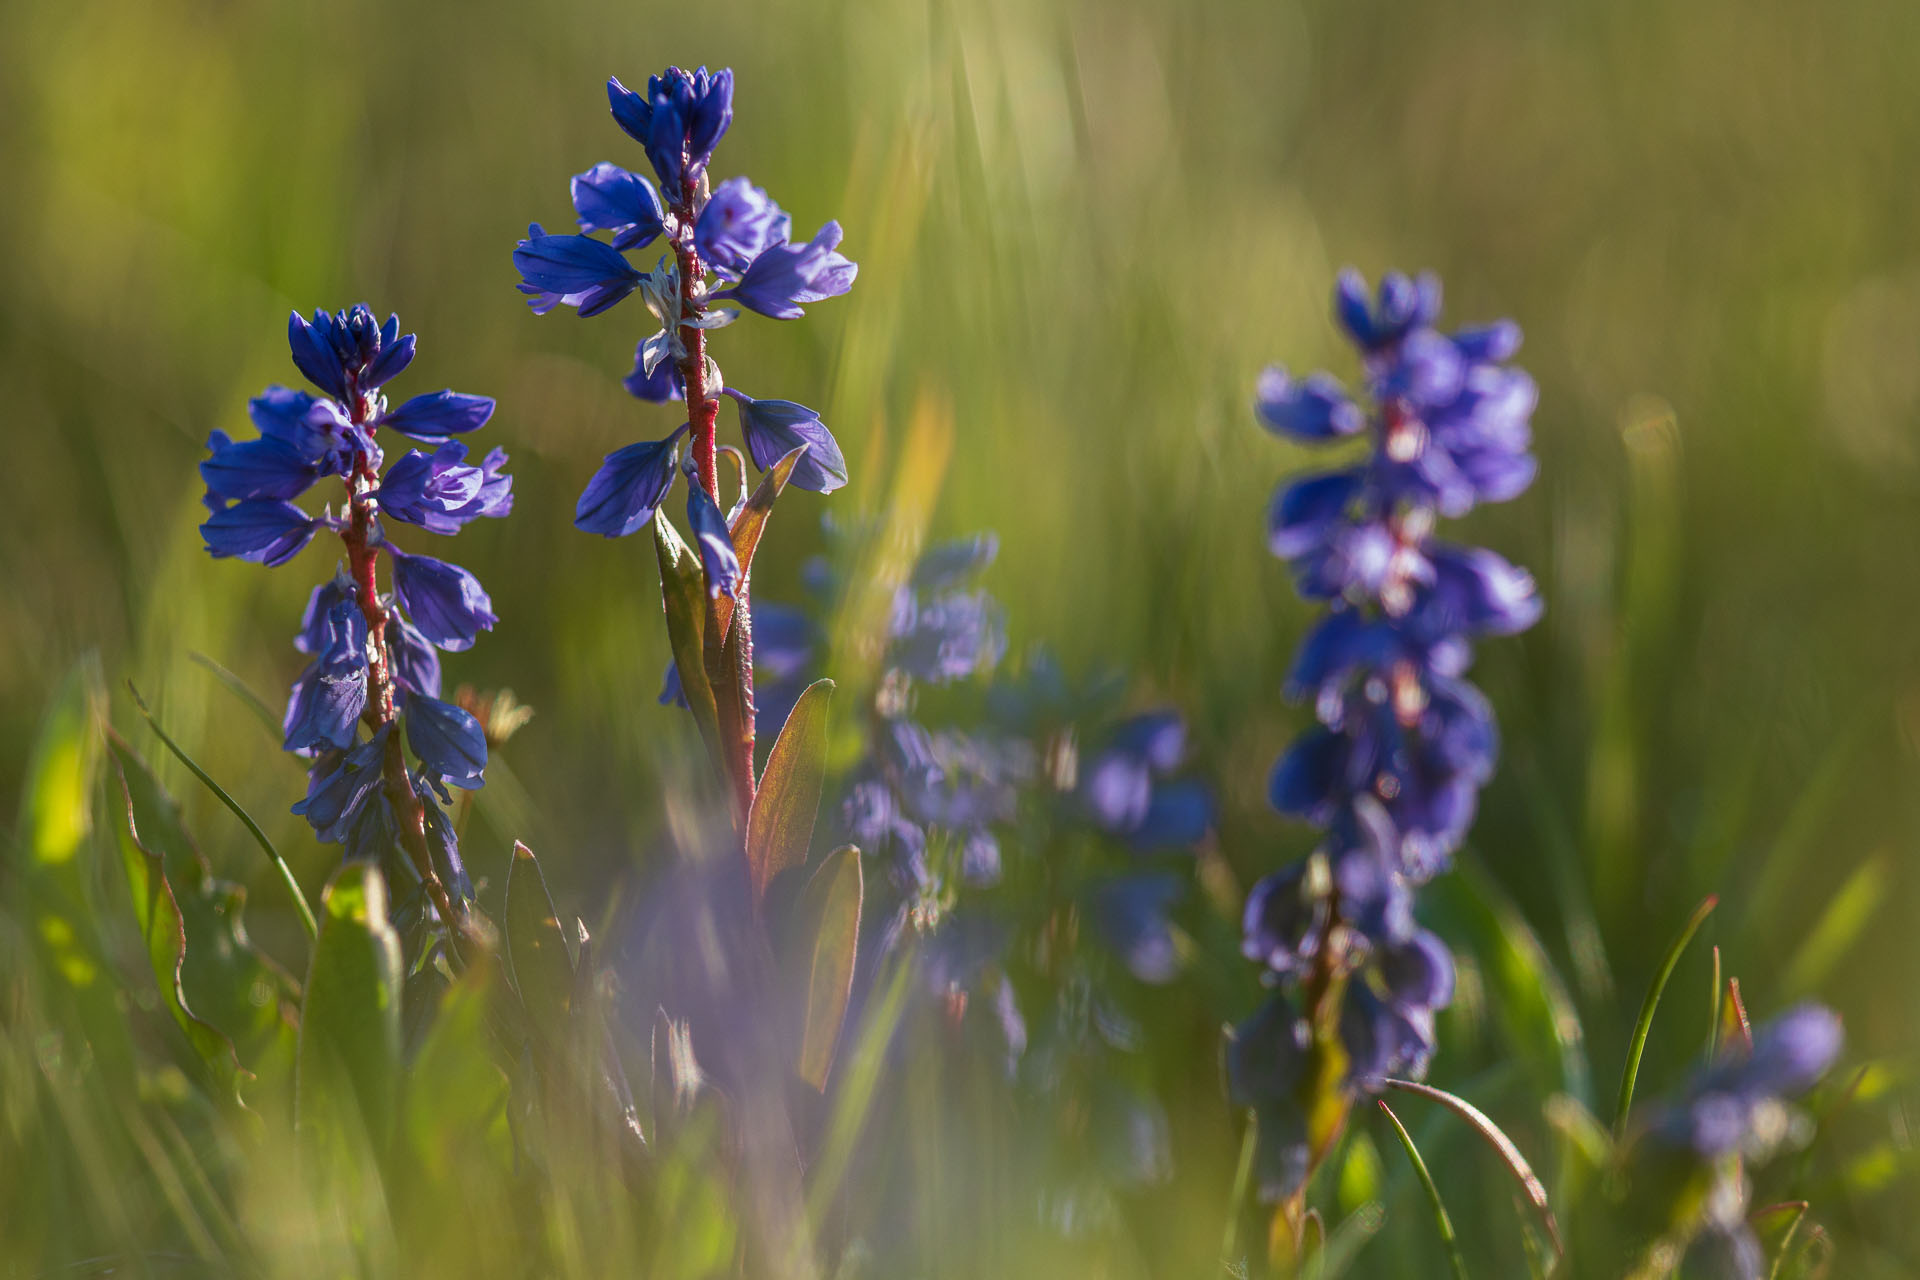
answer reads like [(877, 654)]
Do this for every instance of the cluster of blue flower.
[(375, 656), (1738, 1110), (731, 248), (1392, 771)]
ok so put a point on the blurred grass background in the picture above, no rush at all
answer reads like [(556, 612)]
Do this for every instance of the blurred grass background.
[(1084, 226)]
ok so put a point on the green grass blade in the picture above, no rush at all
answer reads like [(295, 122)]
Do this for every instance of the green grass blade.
[(239, 689), (1440, 1218), (1638, 1045), (1496, 1137), (300, 904)]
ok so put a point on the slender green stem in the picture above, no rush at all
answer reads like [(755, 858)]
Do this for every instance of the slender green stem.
[(1237, 1198), (1638, 1045), (1440, 1218), (273, 855)]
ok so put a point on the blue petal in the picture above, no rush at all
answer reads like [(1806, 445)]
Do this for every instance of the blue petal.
[(715, 541), (609, 198), (445, 602), (448, 741), (262, 530), (774, 428), (628, 488), (578, 270), (1314, 409), (433, 417), (314, 354)]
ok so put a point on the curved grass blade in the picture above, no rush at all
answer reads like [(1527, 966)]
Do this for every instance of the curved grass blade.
[(1638, 1045), (1440, 1219), (1496, 1138), (240, 689), (537, 954), (305, 911), (1237, 1198)]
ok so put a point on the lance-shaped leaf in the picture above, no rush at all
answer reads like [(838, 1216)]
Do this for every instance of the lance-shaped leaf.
[(752, 520), (223, 994), (1496, 1138), (683, 591), (347, 1078), (828, 938), (537, 954), (780, 828)]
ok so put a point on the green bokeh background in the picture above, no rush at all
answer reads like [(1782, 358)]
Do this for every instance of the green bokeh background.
[(1083, 228)]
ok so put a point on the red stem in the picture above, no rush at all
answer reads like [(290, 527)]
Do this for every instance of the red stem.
[(363, 557), (733, 688)]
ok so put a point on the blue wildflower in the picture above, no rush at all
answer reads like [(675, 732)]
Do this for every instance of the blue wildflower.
[(433, 417), (1739, 1104), (338, 787), (679, 120), (739, 223), (784, 276), (440, 492), (1393, 769), (330, 695)]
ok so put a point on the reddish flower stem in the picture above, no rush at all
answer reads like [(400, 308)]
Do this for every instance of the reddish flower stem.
[(733, 683), (362, 541)]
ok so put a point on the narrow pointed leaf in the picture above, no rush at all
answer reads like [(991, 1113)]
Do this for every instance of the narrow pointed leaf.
[(1496, 1138), (537, 952), (780, 827), (684, 593), (830, 920), (347, 1078), (1638, 1044), (1447, 1239), (299, 898), (752, 520)]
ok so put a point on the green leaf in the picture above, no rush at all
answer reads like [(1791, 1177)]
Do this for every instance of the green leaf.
[(1526, 993), (780, 828), (269, 719), (537, 954), (456, 1093), (1638, 1045), (223, 994), (1496, 1138), (752, 522), (1445, 1224), (684, 593), (56, 818), (830, 917), (347, 1077)]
